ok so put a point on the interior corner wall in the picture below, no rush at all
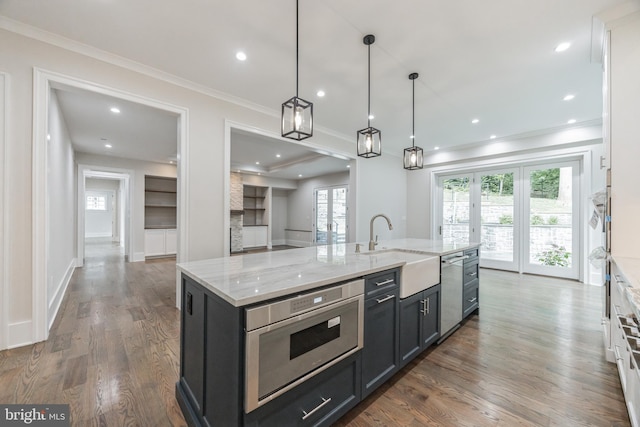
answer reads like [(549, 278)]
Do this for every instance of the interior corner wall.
[(382, 188), (4, 247), (62, 219)]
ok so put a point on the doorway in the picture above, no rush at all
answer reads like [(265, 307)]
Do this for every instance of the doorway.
[(330, 209), (526, 218)]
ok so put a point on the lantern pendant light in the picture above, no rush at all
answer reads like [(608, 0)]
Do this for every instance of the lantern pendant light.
[(369, 139), (297, 114), (413, 156)]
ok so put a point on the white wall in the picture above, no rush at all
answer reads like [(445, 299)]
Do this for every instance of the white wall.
[(61, 181), (381, 188), (279, 215)]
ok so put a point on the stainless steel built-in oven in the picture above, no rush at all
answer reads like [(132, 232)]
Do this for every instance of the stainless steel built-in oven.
[(291, 340)]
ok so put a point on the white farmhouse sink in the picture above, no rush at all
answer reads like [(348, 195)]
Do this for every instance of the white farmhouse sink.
[(419, 275), (420, 272)]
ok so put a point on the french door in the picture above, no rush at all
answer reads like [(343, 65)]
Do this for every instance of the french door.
[(330, 208), (526, 218)]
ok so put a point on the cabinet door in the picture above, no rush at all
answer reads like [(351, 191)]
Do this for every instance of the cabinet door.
[(430, 316), (248, 237), (261, 238), (380, 352), (171, 241), (411, 319), (192, 349), (154, 242)]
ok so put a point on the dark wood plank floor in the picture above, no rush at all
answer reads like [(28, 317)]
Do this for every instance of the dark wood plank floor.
[(533, 358)]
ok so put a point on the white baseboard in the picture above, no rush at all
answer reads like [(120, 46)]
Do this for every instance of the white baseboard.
[(596, 278), (89, 235), (299, 243), (20, 334), (138, 257), (279, 242), (56, 299)]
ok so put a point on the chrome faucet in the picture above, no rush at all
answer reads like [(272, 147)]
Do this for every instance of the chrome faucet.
[(372, 243)]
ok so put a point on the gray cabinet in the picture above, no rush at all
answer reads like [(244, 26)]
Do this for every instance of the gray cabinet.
[(471, 283), (419, 323), (380, 355)]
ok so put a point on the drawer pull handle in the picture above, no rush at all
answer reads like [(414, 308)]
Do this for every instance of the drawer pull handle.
[(472, 300), (475, 273), (387, 298), (189, 303), (384, 282), (317, 408)]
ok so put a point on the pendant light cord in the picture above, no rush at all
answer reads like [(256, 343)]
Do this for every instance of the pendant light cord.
[(296, 48), (413, 113), (369, 86)]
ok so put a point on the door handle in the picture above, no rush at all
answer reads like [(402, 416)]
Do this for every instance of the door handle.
[(189, 303), (317, 408), (387, 298)]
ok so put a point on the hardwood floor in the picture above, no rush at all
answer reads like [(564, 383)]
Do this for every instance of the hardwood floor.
[(533, 357)]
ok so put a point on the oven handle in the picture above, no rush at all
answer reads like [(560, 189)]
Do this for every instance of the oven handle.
[(317, 408)]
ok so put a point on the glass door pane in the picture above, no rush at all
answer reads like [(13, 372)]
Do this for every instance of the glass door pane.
[(551, 220), (498, 218), (455, 226), (339, 215), (322, 216)]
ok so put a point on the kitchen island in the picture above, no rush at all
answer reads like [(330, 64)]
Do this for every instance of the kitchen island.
[(237, 368)]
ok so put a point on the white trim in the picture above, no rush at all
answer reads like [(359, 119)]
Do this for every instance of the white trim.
[(43, 82), (300, 243), (54, 306), (4, 227), (19, 334), (138, 257)]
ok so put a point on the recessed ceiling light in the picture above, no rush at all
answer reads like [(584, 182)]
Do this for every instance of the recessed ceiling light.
[(48, 137), (436, 148), (278, 155), (170, 162), (241, 56), (572, 121), (259, 174), (320, 93), (474, 121), (348, 166), (371, 117), (257, 163), (115, 110), (492, 137), (568, 97), (108, 145), (563, 46), (300, 175)]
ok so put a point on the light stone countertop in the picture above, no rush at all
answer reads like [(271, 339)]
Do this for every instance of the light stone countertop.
[(630, 267), (251, 278)]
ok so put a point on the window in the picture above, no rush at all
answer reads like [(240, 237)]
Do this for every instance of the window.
[(96, 203)]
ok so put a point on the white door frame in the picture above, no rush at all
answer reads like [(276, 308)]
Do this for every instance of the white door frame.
[(123, 175), (4, 264), (314, 229), (43, 82)]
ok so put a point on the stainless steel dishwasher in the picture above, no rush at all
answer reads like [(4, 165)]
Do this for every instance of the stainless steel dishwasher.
[(451, 292)]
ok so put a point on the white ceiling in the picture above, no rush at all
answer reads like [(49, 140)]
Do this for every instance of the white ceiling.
[(491, 60)]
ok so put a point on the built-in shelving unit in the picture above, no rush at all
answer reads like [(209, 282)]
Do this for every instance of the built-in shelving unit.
[(160, 202), (253, 201), (160, 216)]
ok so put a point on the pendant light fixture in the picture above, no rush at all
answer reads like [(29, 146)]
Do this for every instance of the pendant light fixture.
[(297, 114), (369, 139), (413, 156)]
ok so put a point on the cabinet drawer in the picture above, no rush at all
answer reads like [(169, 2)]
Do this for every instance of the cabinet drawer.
[(470, 272), (383, 282), (472, 253), (319, 401), (470, 300)]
